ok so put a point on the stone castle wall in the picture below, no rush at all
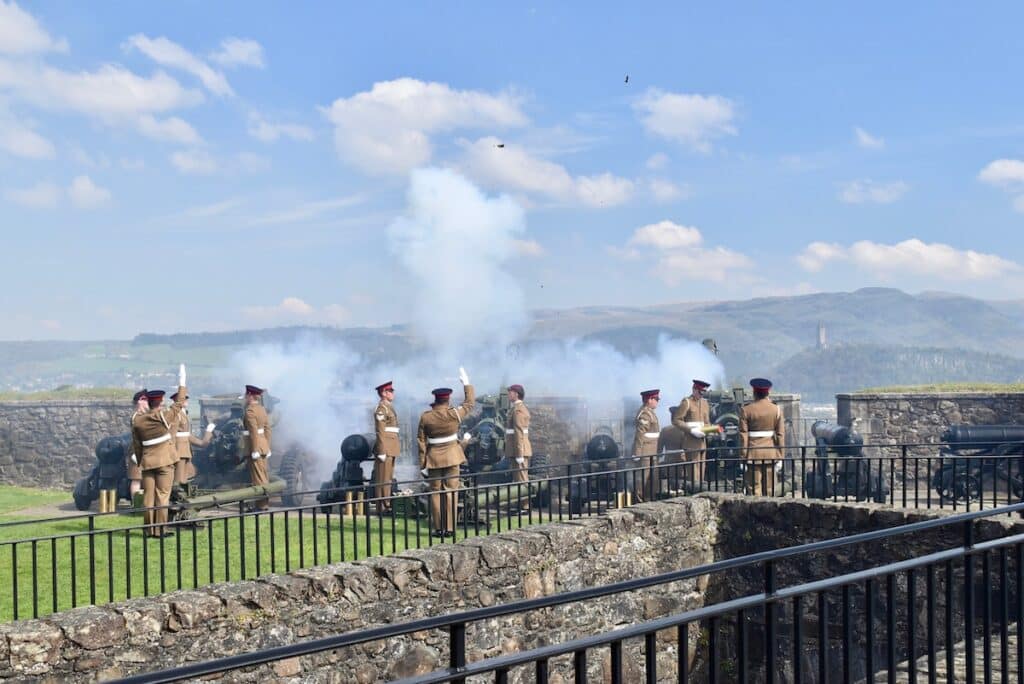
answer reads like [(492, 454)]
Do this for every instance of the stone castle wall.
[(89, 644), (52, 443), (921, 418)]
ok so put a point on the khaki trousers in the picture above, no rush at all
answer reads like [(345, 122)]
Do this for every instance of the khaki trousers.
[(759, 478), (695, 472), (645, 478), (521, 473), (184, 471), (443, 506), (383, 471), (258, 476), (156, 491)]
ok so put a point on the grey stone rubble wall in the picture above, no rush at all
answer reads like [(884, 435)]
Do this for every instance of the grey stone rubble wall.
[(88, 644), (923, 417), (52, 443)]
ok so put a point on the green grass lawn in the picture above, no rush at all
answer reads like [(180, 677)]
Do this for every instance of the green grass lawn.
[(16, 498), (64, 567), (70, 393)]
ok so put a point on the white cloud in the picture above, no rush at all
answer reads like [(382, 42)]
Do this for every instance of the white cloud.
[(271, 132), (239, 52), (83, 158), (216, 209), (167, 53), (39, 196), (678, 253), (247, 162), (295, 310), (909, 257), (196, 162), (1003, 173), (22, 141), (868, 141), (528, 248), (691, 120), (665, 190), (308, 210), (85, 194), (387, 129), (21, 34), (657, 161), (868, 191), (171, 129), (110, 93), (513, 168)]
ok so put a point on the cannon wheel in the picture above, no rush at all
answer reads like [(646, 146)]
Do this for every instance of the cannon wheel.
[(291, 472), (957, 485), (83, 499)]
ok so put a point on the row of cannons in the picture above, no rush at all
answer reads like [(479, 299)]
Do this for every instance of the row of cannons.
[(968, 457)]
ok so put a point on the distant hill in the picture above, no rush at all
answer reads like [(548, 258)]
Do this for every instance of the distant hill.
[(821, 374), (937, 337)]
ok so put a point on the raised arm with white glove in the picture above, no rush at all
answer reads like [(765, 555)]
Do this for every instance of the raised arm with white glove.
[(210, 427), (463, 376), (181, 376)]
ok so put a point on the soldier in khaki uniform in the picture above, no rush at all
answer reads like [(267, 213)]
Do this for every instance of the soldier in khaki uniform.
[(184, 440), (670, 446), (153, 438), (140, 405), (441, 454), (517, 437), (762, 434), (387, 446), (693, 415), (256, 433), (645, 445)]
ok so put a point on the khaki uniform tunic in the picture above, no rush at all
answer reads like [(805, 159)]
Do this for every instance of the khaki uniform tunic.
[(134, 471), (256, 439), (184, 440), (762, 434), (517, 441), (441, 455), (388, 445), (690, 414), (645, 439), (153, 439)]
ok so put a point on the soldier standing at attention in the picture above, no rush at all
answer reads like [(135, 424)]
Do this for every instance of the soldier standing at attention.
[(256, 431), (517, 437), (670, 445), (441, 454), (141, 405), (387, 446), (645, 444), (762, 434), (693, 414), (152, 437), (184, 440)]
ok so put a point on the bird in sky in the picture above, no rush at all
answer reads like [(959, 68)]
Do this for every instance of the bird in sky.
[(627, 78), (500, 145)]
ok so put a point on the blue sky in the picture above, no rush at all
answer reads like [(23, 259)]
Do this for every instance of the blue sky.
[(185, 166)]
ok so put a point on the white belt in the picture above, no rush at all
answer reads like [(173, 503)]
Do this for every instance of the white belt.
[(694, 424), (157, 440), (442, 440), (511, 431), (391, 429), (258, 432), (652, 435), (762, 433), (183, 434)]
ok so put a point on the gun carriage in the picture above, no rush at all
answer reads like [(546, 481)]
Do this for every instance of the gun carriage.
[(848, 473), (971, 453)]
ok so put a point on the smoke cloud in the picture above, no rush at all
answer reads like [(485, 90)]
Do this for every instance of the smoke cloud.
[(454, 244)]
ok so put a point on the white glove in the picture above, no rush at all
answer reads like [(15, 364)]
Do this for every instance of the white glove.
[(181, 375), (520, 460), (635, 457), (210, 427), (135, 460), (697, 432), (382, 457), (778, 466), (743, 467), (255, 455), (269, 454), (463, 376), (424, 472)]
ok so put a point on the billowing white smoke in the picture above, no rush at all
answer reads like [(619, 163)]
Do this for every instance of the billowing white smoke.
[(454, 244)]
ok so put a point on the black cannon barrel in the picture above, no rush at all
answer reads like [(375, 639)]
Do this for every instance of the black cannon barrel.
[(982, 434), (839, 438), (355, 448), (601, 448)]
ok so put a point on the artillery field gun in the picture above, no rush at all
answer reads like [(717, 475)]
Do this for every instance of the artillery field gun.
[(222, 476), (970, 452), (850, 475)]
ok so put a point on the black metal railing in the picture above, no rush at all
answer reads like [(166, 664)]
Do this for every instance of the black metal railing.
[(60, 563), (955, 609)]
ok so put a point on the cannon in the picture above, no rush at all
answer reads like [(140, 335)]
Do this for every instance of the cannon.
[(848, 475), (347, 483), (970, 452), (220, 467), (597, 480)]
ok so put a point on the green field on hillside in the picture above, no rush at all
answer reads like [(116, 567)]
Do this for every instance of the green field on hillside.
[(951, 387)]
